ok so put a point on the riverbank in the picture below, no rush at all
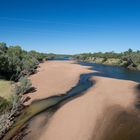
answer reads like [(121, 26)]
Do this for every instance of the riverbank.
[(113, 62), (129, 59), (54, 73), (55, 78), (93, 115), (106, 111)]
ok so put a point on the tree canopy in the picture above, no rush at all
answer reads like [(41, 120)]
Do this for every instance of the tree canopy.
[(14, 61)]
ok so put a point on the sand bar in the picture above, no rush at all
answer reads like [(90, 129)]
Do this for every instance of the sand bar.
[(92, 116), (54, 78)]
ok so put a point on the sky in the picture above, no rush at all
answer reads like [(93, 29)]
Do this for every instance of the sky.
[(71, 26)]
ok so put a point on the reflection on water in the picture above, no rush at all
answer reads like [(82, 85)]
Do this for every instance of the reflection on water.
[(113, 71)]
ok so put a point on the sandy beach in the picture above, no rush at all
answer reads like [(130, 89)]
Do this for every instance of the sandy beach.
[(102, 113)]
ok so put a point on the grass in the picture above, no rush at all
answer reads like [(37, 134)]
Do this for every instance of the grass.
[(5, 89), (5, 95)]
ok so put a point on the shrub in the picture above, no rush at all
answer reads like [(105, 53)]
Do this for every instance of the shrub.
[(15, 61), (129, 59), (11, 109), (23, 86), (8, 117), (4, 105)]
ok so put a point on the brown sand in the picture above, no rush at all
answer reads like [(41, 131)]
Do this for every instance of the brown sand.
[(94, 116), (54, 78), (91, 115)]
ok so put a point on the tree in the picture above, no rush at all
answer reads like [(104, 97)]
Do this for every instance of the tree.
[(3, 47), (130, 50)]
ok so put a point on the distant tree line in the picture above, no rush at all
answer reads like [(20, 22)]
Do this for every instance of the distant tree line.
[(129, 59), (16, 62)]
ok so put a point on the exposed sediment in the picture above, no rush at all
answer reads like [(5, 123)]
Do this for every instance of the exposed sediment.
[(109, 110), (105, 112)]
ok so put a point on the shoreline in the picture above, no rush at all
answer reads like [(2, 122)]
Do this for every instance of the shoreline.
[(111, 64), (87, 116), (40, 101), (54, 78)]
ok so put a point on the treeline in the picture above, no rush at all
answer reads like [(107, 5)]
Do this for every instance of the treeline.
[(16, 65), (129, 59), (16, 62)]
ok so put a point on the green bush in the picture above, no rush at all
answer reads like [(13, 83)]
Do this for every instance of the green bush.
[(16, 62), (23, 86), (8, 117), (129, 59), (4, 105)]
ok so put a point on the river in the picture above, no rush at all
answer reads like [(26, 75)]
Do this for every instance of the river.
[(53, 103), (113, 71)]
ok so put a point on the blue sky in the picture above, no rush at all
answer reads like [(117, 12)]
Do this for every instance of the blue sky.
[(71, 26)]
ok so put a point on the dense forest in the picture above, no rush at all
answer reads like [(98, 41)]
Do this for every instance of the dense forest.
[(129, 59)]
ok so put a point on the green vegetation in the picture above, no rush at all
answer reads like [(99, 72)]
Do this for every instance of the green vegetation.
[(35, 108), (23, 86), (12, 107), (129, 59), (16, 62), (4, 105), (5, 95), (5, 89), (16, 65)]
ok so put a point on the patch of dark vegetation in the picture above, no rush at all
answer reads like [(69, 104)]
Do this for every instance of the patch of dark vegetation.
[(4, 105), (129, 59), (16, 62), (16, 65), (12, 109)]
